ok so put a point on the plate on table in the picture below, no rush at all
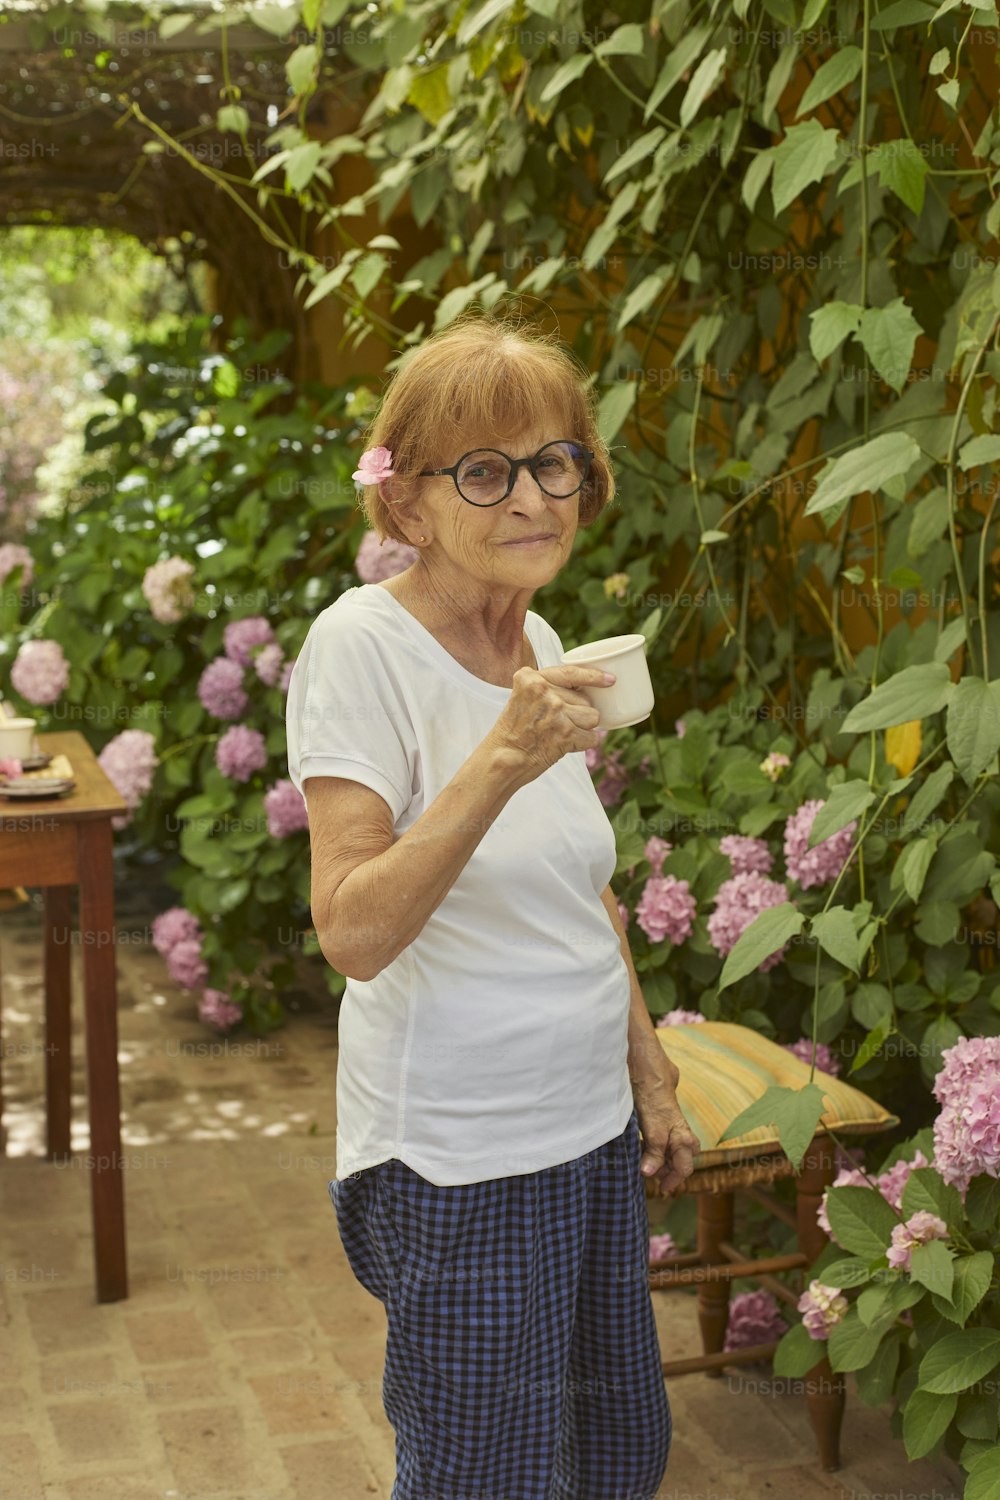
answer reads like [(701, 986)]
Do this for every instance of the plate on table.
[(35, 762), (37, 786)]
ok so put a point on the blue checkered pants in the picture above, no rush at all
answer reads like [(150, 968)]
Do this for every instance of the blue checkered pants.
[(522, 1360)]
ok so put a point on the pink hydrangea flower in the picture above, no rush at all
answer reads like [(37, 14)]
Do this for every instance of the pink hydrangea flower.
[(679, 727), (216, 1009), (656, 851), (14, 555), (374, 465), (967, 1130), (822, 1308), (220, 689), (241, 636), (186, 965), (661, 1245), (747, 854), (773, 764), (823, 863), (129, 760), (753, 1319), (679, 1017), (240, 752), (624, 913), (892, 1181), (40, 671), (825, 1060), (286, 810), (286, 673), (666, 909), (176, 925), (377, 560), (738, 902), (268, 663), (167, 589), (918, 1230)]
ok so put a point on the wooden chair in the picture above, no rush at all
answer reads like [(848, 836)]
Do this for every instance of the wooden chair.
[(724, 1068)]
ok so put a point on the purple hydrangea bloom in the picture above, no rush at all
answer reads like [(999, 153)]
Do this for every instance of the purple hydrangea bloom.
[(186, 965), (240, 637), (216, 1009), (666, 909), (286, 810), (753, 1319), (661, 1246), (747, 854), (220, 688), (656, 851), (822, 1308), (240, 752), (176, 925), (825, 1060), (967, 1131), (680, 1017), (128, 761), (737, 903), (614, 780), (823, 863), (40, 672), (268, 663), (378, 560)]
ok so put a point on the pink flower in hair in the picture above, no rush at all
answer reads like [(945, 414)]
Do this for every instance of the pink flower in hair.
[(374, 465)]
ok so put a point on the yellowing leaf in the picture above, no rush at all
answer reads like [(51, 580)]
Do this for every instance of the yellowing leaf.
[(902, 745)]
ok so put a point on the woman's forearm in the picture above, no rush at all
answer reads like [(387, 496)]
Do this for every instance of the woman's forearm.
[(383, 904)]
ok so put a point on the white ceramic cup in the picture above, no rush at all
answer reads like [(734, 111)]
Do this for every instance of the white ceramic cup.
[(17, 738), (629, 699)]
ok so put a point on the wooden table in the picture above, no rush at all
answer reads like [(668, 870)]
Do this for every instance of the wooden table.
[(57, 843)]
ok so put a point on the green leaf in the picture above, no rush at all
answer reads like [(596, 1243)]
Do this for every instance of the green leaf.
[(794, 1113), (636, 152), (972, 725), (830, 325), (853, 1270), (861, 1220), (615, 405), (367, 273), (624, 41), (769, 931), (982, 1202), (875, 1381), (835, 933), (902, 168), (806, 154), (959, 1360), (233, 117), (301, 165), (679, 60), (984, 449), (832, 76), (932, 1266), (925, 1420), (866, 468), (704, 80), (844, 802), (851, 1345), (478, 20), (936, 922), (927, 799), (755, 177), (983, 1482), (300, 69), (797, 1353), (573, 68), (972, 1281), (643, 295), (871, 1045), (913, 693), (911, 868), (889, 334)]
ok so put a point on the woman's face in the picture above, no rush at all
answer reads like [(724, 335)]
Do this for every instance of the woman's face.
[(490, 542)]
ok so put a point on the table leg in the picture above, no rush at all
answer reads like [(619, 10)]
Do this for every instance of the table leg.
[(97, 931), (58, 935)]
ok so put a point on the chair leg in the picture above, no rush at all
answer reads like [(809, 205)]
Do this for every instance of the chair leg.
[(715, 1224), (825, 1395)]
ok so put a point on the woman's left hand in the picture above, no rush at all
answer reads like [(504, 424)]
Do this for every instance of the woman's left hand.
[(669, 1145)]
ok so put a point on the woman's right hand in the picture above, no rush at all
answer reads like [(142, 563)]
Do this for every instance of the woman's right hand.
[(547, 716)]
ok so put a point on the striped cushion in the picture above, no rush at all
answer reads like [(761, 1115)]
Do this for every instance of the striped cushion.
[(725, 1067)]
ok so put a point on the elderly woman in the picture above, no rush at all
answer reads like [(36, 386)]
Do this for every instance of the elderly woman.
[(496, 1058)]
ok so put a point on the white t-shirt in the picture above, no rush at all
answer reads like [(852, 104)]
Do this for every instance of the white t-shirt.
[(496, 1043)]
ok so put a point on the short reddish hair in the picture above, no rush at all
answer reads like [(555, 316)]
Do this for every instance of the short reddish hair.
[(479, 379)]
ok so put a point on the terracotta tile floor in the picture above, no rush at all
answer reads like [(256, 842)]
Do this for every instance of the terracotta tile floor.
[(246, 1362)]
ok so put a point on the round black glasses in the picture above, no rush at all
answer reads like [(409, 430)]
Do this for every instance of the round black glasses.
[(485, 476)]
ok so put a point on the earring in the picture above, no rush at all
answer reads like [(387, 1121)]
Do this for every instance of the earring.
[(423, 538)]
